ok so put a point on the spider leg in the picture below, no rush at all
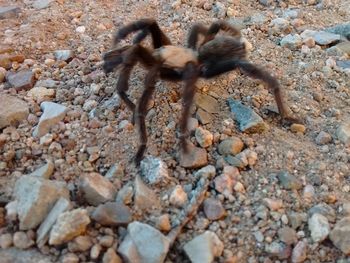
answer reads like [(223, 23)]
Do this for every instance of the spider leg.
[(113, 58), (255, 72), (150, 82), (190, 77), (195, 31), (221, 25), (146, 25)]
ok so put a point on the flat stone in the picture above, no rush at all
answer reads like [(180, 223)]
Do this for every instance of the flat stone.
[(65, 55), (298, 128), (208, 172), (163, 223), (69, 225), (207, 103), (41, 4), (43, 231), (53, 113), (299, 252), (213, 209), (232, 145), (248, 120), (144, 197), (15, 255), (343, 133), (154, 170), (273, 204), (203, 116), (96, 189), (22, 80), (47, 83), (340, 235), (204, 248), (136, 246), (12, 110), (289, 181), (344, 47), (112, 214), (36, 196), (321, 38), (341, 29), (195, 158), (9, 12), (44, 171), (319, 227), (292, 42)]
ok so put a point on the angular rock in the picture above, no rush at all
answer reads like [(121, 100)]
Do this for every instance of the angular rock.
[(163, 223), (224, 184), (296, 219), (7, 12), (116, 170), (323, 138), (65, 55), (289, 181), (208, 171), (44, 171), (207, 103), (43, 231), (41, 4), (144, 198), (47, 83), (53, 113), (299, 252), (298, 128), (319, 227), (22, 80), (292, 42), (288, 235), (96, 189), (203, 116), (69, 225), (321, 38), (12, 110), (248, 120), (195, 158), (125, 194), (80, 244), (36, 197), (279, 250), (340, 235), (40, 94), (341, 29), (204, 137), (232, 145), (111, 257), (136, 246), (323, 209), (112, 214), (178, 196), (204, 248), (213, 209), (345, 64), (343, 133), (154, 170)]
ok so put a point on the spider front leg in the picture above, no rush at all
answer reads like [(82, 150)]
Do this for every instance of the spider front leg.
[(150, 82), (190, 77), (195, 31)]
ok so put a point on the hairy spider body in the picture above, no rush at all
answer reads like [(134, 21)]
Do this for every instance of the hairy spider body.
[(213, 56)]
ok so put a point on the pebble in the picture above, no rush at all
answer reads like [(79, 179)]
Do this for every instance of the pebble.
[(111, 257), (80, 244), (22, 80), (232, 146), (144, 197), (11, 210), (288, 181), (6, 240), (213, 209), (321, 38), (343, 133), (154, 170), (7, 12), (207, 103), (69, 225), (340, 29), (340, 235), (40, 94), (64, 55), (299, 253), (192, 123), (178, 197), (279, 250), (21, 240), (12, 110), (163, 223), (288, 235), (319, 227), (106, 241), (309, 193), (195, 158), (273, 204), (203, 116), (323, 138), (204, 137), (298, 128), (224, 184), (70, 258), (44, 171), (116, 171), (95, 251), (112, 214), (292, 42), (41, 4), (325, 210), (125, 194)]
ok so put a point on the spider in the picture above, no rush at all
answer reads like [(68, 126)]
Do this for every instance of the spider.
[(215, 55)]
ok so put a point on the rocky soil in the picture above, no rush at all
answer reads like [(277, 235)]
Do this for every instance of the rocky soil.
[(250, 190)]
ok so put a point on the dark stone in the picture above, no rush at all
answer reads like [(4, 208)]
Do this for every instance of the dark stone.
[(22, 80), (112, 214), (289, 181)]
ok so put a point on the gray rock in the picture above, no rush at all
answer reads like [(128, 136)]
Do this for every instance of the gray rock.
[(96, 189), (204, 248), (80, 244), (256, 19), (204, 117), (289, 181), (112, 214), (65, 55), (204, 137), (232, 145), (279, 250), (69, 225), (341, 29), (144, 198), (12, 110), (345, 64), (178, 197), (248, 120), (22, 80), (22, 241), (195, 158), (213, 209), (292, 42), (125, 194), (343, 133), (219, 9), (112, 104), (299, 252), (207, 103), (41, 4), (340, 235), (324, 210), (287, 235), (15, 255), (323, 138), (321, 37), (116, 170), (266, 2), (36, 197), (9, 12), (53, 113), (154, 170), (40, 94), (208, 171), (136, 246), (43, 231), (319, 227), (6, 240), (44, 171), (297, 219), (47, 83)]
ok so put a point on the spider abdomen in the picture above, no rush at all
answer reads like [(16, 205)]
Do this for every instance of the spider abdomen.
[(222, 48), (175, 57)]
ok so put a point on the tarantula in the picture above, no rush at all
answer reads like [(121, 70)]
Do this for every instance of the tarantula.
[(215, 55)]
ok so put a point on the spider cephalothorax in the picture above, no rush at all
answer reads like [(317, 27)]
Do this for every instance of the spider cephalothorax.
[(215, 55)]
